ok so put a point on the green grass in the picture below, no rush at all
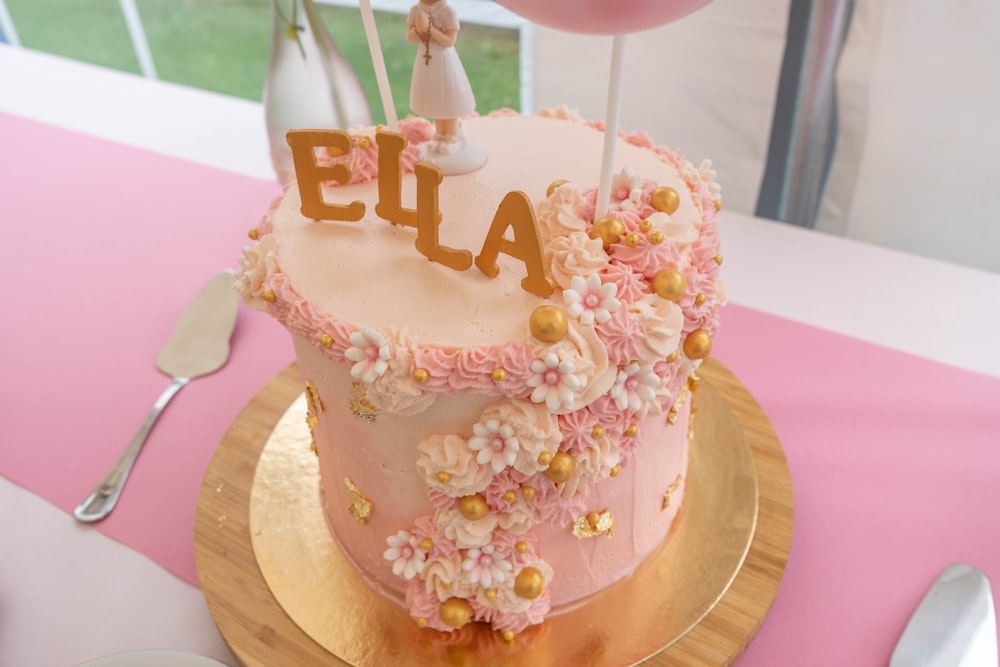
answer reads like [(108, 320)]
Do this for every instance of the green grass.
[(223, 45)]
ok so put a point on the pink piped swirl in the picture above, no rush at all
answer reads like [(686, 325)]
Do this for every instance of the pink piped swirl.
[(631, 284), (621, 335)]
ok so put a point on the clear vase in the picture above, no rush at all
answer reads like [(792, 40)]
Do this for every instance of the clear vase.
[(309, 84)]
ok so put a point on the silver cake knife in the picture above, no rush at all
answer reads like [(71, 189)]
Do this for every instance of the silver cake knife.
[(198, 346), (954, 626)]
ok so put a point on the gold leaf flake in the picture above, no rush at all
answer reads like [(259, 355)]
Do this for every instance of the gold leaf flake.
[(360, 405), (314, 404), (594, 524), (361, 506), (671, 490)]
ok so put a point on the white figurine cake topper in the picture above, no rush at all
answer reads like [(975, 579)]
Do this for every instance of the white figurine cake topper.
[(440, 88)]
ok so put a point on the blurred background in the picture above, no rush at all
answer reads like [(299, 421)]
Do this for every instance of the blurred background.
[(871, 119)]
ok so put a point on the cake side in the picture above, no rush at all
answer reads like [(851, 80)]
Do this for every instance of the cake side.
[(470, 459)]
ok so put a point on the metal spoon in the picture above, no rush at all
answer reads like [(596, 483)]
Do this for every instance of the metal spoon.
[(198, 346)]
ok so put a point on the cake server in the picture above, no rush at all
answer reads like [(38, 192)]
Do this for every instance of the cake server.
[(198, 346), (954, 626)]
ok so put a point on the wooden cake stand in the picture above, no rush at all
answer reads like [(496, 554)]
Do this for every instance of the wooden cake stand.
[(261, 633)]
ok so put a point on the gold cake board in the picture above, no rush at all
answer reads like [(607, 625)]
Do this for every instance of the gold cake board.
[(256, 597)]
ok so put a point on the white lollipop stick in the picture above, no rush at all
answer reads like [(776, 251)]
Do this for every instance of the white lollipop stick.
[(378, 61), (611, 125)]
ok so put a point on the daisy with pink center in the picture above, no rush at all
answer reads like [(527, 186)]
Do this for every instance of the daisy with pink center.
[(406, 555), (591, 301), (496, 443), (635, 383), (554, 382), (486, 566), (626, 190), (370, 354)]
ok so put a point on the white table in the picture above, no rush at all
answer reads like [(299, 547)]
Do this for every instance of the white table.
[(69, 594)]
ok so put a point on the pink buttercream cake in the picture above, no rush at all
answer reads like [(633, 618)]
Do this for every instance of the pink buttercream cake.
[(470, 469)]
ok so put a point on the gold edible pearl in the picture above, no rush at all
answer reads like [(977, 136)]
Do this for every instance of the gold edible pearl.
[(548, 324), (490, 594), (671, 358), (326, 340), (444, 477), (364, 143), (656, 237), (631, 239), (269, 296), (528, 492), (669, 284), (698, 344), (693, 382), (521, 547), (420, 375), (645, 226), (597, 432), (499, 375), (608, 230), (718, 205), (593, 518), (718, 259), (700, 299), (509, 496), (529, 583), (508, 636), (253, 234), (544, 458), (665, 199), (561, 467), (426, 544), (455, 612), (614, 471), (632, 430), (672, 416), (473, 507), (555, 185), (421, 622)]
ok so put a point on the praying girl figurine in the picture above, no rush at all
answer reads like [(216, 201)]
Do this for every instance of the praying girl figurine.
[(440, 89)]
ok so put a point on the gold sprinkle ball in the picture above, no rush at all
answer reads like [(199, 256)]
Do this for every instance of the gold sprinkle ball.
[(508, 636), (548, 324), (529, 583), (521, 547), (444, 477), (528, 492), (561, 468), (269, 296), (597, 432), (693, 382), (608, 230), (326, 340), (632, 430), (421, 622), (420, 376), (544, 458), (669, 284), (555, 185), (593, 519), (718, 205), (455, 612), (645, 225), (364, 143), (700, 299), (665, 199), (656, 237), (615, 471), (631, 239), (718, 260), (473, 507), (426, 544), (490, 593), (253, 234), (698, 344), (499, 375), (671, 358), (509, 496)]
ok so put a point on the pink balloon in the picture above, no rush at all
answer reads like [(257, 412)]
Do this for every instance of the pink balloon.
[(602, 17)]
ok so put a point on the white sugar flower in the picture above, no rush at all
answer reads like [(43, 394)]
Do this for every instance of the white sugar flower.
[(554, 381), (626, 190), (486, 566), (496, 443), (635, 383), (370, 354), (708, 175), (406, 555), (589, 300)]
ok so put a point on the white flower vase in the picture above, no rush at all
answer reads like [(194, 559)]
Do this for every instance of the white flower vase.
[(309, 84)]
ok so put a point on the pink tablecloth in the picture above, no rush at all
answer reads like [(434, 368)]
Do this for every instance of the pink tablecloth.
[(893, 458)]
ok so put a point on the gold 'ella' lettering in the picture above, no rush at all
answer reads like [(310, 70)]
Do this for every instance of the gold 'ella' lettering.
[(311, 175), (515, 211)]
